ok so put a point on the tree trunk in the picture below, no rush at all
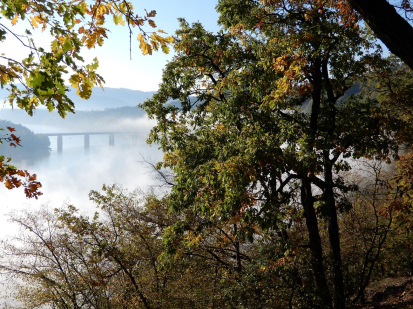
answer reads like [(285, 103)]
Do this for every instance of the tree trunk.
[(334, 236), (315, 244), (389, 26)]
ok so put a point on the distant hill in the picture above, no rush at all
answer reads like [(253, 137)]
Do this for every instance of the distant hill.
[(115, 119), (100, 100), (356, 89), (33, 146)]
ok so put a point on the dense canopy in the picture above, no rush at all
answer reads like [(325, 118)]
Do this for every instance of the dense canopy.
[(266, 142)]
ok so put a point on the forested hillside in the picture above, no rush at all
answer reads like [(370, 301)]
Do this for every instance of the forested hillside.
[(32, 146)]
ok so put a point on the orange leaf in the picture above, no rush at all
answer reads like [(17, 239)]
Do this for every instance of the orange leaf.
[(152, 23), (8, 184), (151, 14), (14, 20)]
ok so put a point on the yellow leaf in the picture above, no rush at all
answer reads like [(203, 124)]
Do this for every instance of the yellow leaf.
[(38, 19), (102, 10), (146, 49), (154, 45), (169, 39), (34, 22), (14, 20), (75, 80), (157, 38), (86, 91)]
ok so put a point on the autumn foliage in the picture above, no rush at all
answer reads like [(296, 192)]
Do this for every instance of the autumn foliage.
[(13, 177)]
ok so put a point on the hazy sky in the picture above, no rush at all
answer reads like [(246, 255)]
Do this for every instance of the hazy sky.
[(142, 72)]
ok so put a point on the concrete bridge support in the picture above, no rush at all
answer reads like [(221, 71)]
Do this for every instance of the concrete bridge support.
[(86, 141), (111, 139), (59, 144)]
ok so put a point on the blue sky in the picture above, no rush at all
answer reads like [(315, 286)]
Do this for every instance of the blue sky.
[(145, 72)]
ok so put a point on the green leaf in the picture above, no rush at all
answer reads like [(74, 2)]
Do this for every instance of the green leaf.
[(165, 49), (67, 45), (35, 80), (50, 107)]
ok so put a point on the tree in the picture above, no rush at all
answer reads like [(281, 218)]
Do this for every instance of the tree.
[(67, 260), (72, 25), (116, 260), (262, 125), (389, 24), (375, 216)]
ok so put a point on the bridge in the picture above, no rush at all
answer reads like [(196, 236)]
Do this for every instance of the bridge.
[(87, 138)]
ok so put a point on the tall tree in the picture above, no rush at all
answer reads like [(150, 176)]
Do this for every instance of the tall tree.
[(262, 123)]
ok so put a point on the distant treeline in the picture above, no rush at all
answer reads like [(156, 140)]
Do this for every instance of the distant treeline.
[(33, 146)]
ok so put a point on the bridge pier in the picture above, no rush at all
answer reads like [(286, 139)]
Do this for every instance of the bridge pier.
[(86, 141), (111, 139), (59, 144)]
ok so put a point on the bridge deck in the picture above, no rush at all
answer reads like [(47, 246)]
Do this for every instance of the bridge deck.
[(86, 133)]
